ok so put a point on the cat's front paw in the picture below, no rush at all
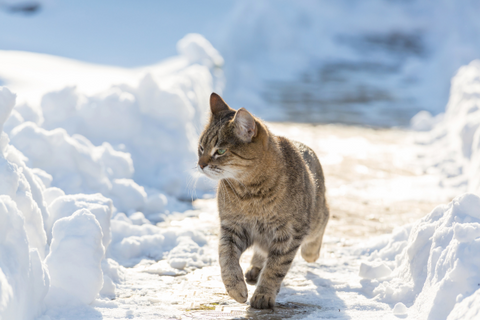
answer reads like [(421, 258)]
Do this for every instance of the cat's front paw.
[(264, 300), (237, 291)]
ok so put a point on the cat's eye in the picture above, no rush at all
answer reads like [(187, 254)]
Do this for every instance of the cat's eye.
[(221, 151), (200, 148)]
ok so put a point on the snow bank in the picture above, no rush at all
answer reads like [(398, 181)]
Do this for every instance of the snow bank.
[(144, 129), (157, 123), (435, 262), (454, 143), (74, 163), (75, 230), (469, 308), (197, 49), (24, 281), (94, 157)]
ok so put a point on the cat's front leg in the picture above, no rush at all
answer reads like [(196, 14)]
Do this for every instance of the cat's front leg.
[(278, 263), (233, 242)]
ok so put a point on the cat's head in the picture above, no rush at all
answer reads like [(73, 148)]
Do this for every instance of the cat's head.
[(232, 143)]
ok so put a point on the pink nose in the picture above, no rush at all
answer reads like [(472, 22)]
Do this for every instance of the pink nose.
[(202, 164)]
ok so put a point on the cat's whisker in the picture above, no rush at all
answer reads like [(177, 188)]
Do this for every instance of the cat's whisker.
[(191, 185), (194, 195)]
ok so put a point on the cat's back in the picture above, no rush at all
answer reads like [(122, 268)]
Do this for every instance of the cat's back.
[(299, 157), (311, 160)]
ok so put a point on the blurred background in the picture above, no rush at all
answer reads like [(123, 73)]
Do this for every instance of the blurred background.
[(375, 62)]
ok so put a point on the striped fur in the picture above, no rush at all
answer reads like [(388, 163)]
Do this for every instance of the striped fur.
[(271, 196)]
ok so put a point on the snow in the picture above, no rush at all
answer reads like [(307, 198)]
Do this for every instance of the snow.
[(374, 272), (424, 121), (131, 243), (468, 308), (74, 261), (67, 205), (93, 138), (434, 262), (453, 145), (59, 190), (24, 280), (400, 309)]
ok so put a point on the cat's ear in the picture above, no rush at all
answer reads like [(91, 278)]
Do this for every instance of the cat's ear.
[(217, 104), (245, 127)]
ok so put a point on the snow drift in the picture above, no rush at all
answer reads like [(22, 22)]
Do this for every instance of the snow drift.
[(60, 189), (153, 122), (435, 262), (24, 281), (27, 275), (454, 143), (148, 116)]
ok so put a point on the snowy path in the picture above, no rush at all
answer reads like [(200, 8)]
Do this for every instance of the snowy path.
[(374, 182)]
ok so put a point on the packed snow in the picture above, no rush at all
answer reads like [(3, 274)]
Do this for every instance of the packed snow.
[(94, 170)]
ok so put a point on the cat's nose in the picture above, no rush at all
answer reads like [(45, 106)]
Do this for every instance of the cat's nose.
[(202, 164)]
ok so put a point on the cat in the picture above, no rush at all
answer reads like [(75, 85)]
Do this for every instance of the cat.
[(271, 196)]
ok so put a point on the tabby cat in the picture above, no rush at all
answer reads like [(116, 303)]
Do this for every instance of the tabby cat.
[(271, 196)]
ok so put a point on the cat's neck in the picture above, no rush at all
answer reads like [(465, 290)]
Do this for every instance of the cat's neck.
[(264, 174)]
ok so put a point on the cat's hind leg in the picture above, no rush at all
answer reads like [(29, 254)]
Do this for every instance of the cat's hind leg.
[(279, 260), (256, 266), (311, 246)]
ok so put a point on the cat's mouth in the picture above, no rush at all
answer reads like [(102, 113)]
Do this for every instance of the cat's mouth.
[(212, 172)]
